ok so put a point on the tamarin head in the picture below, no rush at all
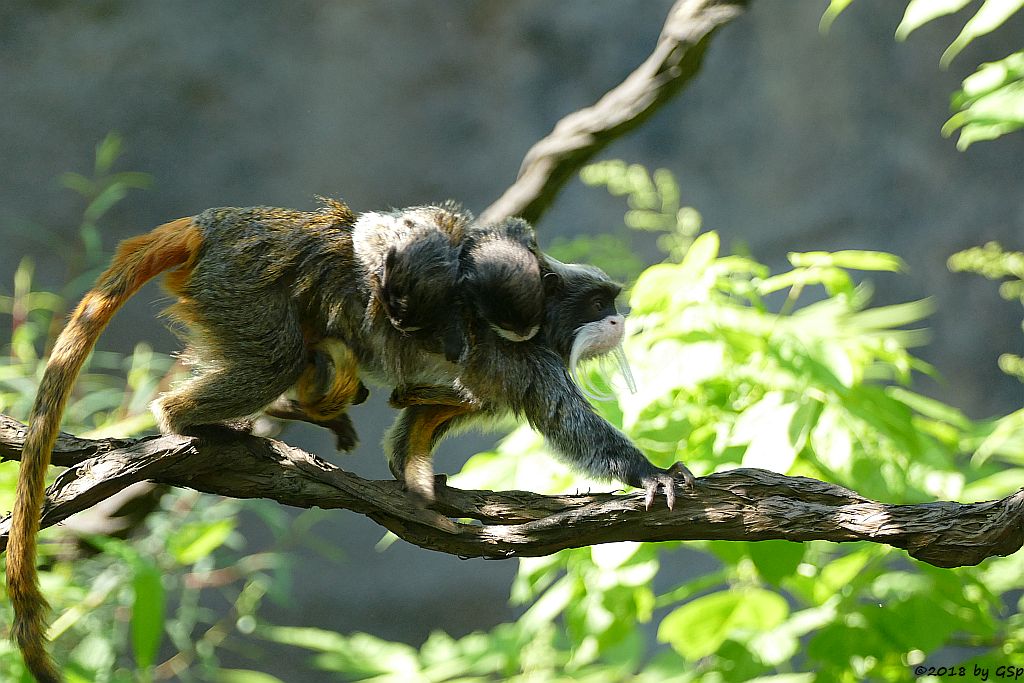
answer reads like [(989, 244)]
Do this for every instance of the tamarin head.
[(502, 278), (581, 320)]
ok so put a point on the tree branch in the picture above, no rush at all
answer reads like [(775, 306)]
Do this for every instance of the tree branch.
[(743, 504), (575, 140)]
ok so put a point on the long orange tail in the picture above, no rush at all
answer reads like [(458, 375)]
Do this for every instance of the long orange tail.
[(137, 260)]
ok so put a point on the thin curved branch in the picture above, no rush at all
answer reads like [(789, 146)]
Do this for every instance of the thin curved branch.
[(743, 504), (575, 140)]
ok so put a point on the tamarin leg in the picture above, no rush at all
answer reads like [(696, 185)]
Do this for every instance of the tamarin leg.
[(330, 383), (410, 443), (405, 396), (258, 355), (345, 436)]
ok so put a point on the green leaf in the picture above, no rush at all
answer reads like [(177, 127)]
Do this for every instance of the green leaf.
[(765, 426), (147, 624), (775, 560), (832, 12), (701, 253), (110, 196), (929, 407), (915, 623), (700, 627), (991, 15), (653, 291), (192, 542), (839, 574), (854, 259), (995, 486), (920, 12), (107, 151), (77, 182), (991, 102)]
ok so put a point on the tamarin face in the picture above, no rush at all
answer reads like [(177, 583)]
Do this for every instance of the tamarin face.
[(581, 319)]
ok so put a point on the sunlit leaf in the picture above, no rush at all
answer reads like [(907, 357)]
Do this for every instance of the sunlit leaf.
[(856, 259), (193, 542), (991, 102), (991, 15), (920, 12), (700, 627), (765, 427), (701, 253), (832, 12)]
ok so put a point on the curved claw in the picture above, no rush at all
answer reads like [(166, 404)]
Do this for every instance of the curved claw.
[(667, 480)]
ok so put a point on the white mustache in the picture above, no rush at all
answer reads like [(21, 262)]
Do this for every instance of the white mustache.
[(596, 339)]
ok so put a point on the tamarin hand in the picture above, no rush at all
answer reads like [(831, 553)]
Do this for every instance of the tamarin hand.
[(667, 479)]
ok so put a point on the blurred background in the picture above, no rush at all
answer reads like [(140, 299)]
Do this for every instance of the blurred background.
[(788, 140)]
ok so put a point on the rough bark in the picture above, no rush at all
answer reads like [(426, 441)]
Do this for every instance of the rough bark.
[(739, 505)]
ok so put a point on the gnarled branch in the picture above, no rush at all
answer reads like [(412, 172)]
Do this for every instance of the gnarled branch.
[(575, 140), (743, 504)]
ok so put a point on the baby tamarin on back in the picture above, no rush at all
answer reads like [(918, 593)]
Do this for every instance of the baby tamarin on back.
[(439, 267)]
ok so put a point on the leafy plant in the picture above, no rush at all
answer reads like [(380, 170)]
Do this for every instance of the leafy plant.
[(991, 101), (993, 262)]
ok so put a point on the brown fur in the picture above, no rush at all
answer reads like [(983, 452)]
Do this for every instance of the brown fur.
[(326, 398), (175, 244)]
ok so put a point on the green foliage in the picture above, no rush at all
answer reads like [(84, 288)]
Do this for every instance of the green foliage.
[(113, 391), (993, 262), (102, 192), (991, 101), (736, 365), (654, 208)]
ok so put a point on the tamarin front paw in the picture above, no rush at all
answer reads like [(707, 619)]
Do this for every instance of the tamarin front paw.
[(667, 480)]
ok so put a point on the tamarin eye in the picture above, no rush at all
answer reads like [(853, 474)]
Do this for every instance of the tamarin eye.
[(597, 304)]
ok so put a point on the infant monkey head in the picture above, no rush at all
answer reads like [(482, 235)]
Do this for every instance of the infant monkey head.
[(419, 280), (502, 279)]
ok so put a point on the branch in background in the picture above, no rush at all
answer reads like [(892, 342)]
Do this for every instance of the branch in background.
[(740, 505), (676, 59)]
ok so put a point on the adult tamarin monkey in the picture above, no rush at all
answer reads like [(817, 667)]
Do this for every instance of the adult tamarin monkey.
[(264, 293)]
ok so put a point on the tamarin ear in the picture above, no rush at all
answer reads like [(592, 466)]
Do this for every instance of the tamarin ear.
[(552, 283)]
